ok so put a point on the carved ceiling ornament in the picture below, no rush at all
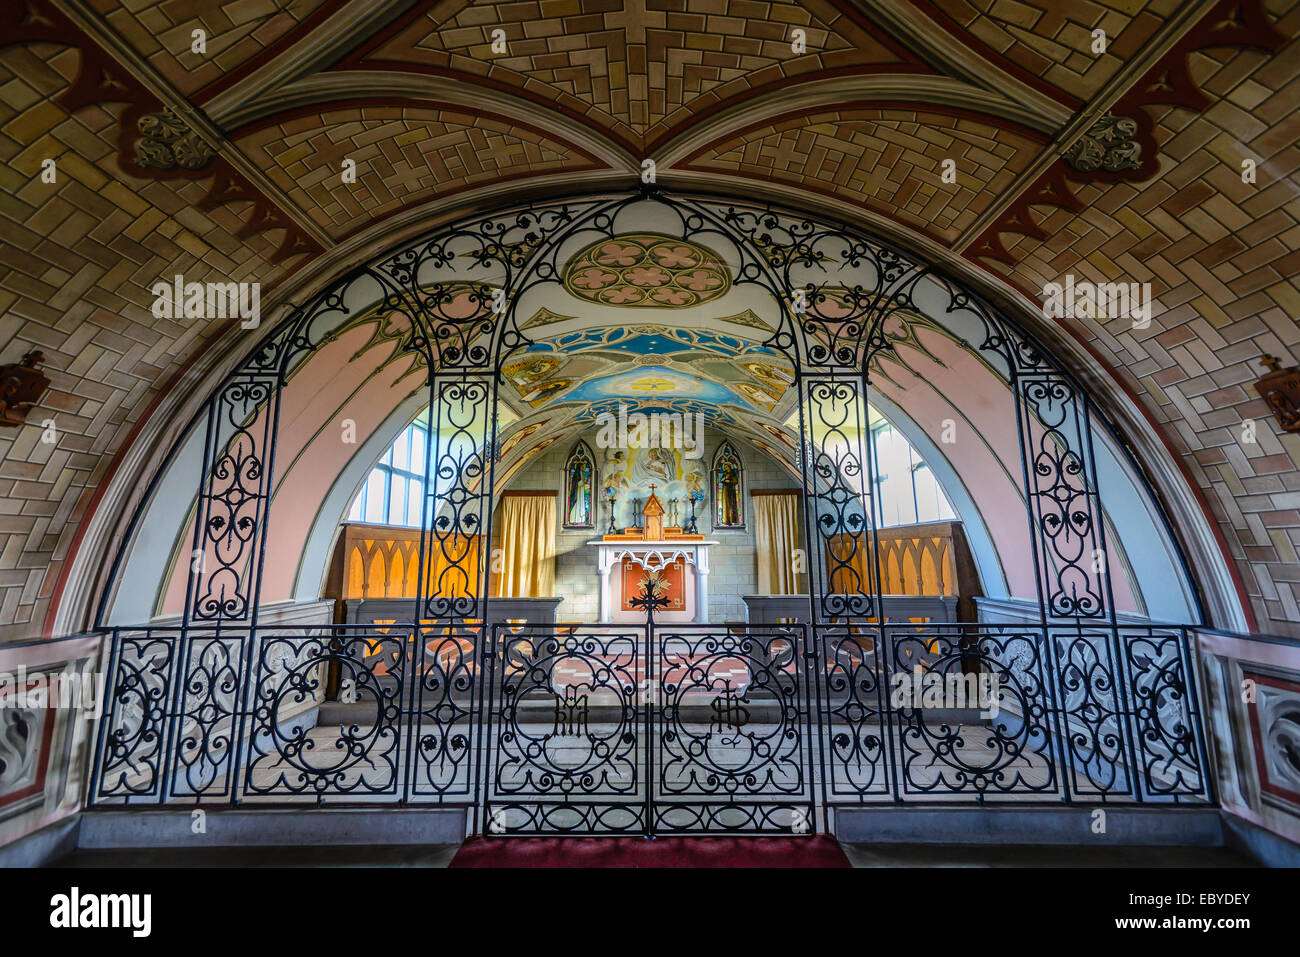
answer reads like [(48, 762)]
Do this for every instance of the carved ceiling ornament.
[(100, 79), (1109, 146), (167, 142), (21, 387), (1232, 24), (1280, 388)]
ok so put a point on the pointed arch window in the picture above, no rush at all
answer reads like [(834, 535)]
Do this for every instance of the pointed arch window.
[(728, 488), (579, 482)]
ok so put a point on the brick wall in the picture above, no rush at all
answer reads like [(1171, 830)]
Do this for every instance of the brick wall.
[(77, 260)]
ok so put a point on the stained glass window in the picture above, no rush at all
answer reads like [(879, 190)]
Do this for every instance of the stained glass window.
[(728, 479), (578, 483)]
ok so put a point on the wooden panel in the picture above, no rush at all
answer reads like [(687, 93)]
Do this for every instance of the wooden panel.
[(383, 561)]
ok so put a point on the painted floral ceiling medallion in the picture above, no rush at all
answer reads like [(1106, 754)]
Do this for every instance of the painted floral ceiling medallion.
[(647, 271)]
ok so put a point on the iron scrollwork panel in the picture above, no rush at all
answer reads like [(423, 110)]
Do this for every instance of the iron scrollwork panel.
[(729, 735), (458, 496), (131, 762), (206, 721), (837, 497), (854, 718), (448, 678), (230, 523), (999, 746), (1064, 506), (354, 753), (567, 749), (1091, 712), (1165, 719)]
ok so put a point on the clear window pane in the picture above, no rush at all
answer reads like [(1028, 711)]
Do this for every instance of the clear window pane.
[(927, 494), (417, 450), (374, 510), (401, 457), (907, 490), (397, 499), (415, 493)]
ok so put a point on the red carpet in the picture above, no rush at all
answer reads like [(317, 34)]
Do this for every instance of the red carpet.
[(820, 851)]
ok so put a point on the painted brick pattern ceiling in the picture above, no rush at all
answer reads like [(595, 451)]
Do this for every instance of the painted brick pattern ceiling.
[(635, 68), (855, 125), (1053, 40)]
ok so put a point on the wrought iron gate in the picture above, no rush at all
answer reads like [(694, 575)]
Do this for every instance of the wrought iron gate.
[(649, 730)]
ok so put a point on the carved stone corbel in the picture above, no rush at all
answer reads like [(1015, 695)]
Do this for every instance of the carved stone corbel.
[(1109, 146), (21, 387), (1280, 388)]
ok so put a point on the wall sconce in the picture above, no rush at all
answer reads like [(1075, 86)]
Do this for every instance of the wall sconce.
[(1280, 388), (21, 387)]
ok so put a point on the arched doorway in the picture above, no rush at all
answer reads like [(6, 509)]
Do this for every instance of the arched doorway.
[(721, 727)]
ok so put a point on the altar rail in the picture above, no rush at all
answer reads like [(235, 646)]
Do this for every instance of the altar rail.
[(1079, 714)]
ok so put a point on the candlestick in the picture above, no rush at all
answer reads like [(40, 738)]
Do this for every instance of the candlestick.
[(613, 497)]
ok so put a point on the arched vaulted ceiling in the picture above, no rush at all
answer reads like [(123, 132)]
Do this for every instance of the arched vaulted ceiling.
[(227, 165)]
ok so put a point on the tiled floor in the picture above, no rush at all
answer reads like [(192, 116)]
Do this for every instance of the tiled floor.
[(434, 855), (953, 855), (860, 855)]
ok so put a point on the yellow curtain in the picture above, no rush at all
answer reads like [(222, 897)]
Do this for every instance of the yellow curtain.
[(776, 537), (525, 534)]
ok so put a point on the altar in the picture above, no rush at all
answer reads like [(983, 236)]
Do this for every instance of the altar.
[(653, 556), (653, 547)]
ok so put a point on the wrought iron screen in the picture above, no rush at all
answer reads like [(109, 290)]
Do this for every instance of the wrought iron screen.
[(665, 729)]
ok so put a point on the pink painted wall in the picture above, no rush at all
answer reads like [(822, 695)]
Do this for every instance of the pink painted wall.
[(310, 453), (990, 469)]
